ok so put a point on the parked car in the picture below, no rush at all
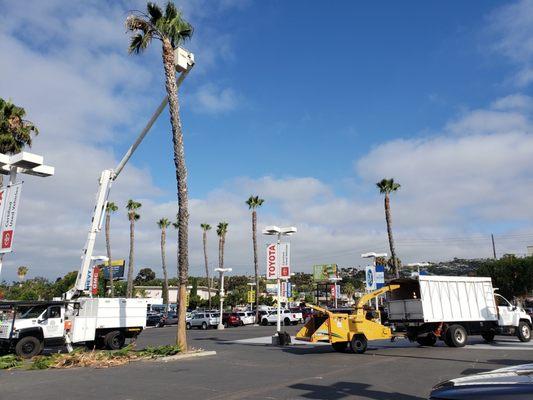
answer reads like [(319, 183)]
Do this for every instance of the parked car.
[(231, 319), (511, 383), (287, 317), (247, 317), (153, 319), (203, 320), (170, 318)]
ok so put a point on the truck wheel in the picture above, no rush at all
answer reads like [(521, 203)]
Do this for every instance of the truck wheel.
[(286, 322), (524, 331), (188, 325), (264, 322), (339, 346), (114, 340), (358, 344), (488, 336), (204, 326), (456, 336), (428, 340), (28, 347)]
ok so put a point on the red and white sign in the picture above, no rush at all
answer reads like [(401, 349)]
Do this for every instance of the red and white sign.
[(284, 260), (278, 261), (94, 280), (272, 261), (9, 203), (332, 291)]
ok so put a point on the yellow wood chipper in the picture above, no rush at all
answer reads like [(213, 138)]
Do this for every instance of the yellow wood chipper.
[(342, 329)]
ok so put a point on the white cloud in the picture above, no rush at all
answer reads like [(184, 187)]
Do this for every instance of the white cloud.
[(512, 28), (211, 99)]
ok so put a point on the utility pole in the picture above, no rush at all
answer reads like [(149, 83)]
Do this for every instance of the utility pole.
[(493, 246)]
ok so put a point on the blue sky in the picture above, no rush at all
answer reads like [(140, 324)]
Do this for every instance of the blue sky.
[(304, 103), (316, 87)]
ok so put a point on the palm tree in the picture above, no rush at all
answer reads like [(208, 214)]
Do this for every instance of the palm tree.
[(15, 131), (110, 208), (131, 206), (387, 186), (163, 224), (253, 203), (22, 271), (205, 228), (171, 29), (222, 229)]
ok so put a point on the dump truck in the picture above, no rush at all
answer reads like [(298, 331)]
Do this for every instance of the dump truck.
[(450, 308), (344, 329)]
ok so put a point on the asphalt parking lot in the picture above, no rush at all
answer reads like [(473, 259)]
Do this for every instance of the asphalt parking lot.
[(246, 367)]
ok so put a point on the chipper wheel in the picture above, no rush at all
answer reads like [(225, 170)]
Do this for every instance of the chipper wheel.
[(358, 343)]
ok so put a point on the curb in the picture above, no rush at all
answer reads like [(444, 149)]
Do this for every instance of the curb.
[(184, 356)]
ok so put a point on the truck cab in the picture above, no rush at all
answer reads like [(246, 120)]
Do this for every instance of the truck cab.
[(31, 326), (513, 319)]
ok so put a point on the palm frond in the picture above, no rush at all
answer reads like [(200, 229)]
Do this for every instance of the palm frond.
[(139, 42), (154, 11)]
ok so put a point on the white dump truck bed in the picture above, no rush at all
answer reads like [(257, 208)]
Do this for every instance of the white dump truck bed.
[(106, 313), (446, 299)]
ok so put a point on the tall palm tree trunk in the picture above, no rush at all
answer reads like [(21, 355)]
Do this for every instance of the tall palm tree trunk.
[(108, 248), (389, 231), (207, 269), (256, 265), (181, 178), (129, 288), (164, 265)]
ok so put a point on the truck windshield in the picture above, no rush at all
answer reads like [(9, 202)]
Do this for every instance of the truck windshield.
[(33, 312)]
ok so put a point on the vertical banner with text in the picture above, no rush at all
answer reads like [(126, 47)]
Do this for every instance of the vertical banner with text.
[(9, 203), (278, 261)]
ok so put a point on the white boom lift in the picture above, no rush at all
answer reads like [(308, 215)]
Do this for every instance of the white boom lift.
[(78, 319), (184, 61)]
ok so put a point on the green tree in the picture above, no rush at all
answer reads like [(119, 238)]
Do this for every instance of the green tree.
[(15, 131), (172, 30), (22, 271), (254, 202), (109, 209), (387, 186), (205, 229), (132, 207), (163, 224), (144, 275)]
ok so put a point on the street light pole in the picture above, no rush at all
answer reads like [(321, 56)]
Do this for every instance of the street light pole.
[(274, 230), (221, 293)]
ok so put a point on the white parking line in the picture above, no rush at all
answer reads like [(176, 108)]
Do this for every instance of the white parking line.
[(506, 344)]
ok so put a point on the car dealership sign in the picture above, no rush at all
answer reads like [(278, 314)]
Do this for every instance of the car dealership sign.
[(278, 261), (9, 203)]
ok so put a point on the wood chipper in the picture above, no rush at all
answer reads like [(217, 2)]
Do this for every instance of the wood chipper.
[(342, 329)]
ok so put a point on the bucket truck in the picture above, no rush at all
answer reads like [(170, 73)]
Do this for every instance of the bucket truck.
[(80, 319)]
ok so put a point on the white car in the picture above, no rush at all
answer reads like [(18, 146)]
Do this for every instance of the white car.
[(247, 317), (287, 317), (203, 320)]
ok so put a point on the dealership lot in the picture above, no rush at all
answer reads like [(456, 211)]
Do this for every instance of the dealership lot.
[(247, 367)]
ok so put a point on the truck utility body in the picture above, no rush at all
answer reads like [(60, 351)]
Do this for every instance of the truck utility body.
[(94, 322), (452, 307)]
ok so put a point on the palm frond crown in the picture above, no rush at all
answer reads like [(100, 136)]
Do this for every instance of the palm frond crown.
[(387, 186), (222, 228), (254, 202), (169, 25), (205, 227), (163, 223)]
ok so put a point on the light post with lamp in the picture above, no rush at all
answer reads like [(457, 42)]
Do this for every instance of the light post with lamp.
[(20, 163), (221, 294), (273, 264)]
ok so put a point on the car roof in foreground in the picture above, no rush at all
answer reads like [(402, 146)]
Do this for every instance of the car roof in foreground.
[(514, 382)]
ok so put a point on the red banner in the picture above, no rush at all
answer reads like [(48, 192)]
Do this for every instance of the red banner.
[(94, 280)]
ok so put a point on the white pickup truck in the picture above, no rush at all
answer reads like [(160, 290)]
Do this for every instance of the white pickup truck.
[(29, 327), (288, 317)]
